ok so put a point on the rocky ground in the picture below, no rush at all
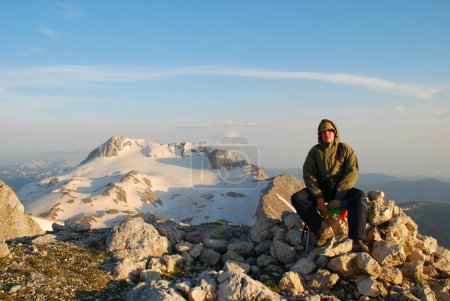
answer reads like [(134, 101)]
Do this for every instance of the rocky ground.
[(150, 258)]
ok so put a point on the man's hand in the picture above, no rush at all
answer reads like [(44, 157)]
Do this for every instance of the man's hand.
[(321, 205), (335, 204), (322, 208)]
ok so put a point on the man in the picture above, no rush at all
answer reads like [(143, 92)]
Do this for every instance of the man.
[(330, 171)]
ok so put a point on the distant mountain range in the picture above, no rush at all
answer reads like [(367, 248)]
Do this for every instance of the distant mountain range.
[(432, 219), (19, 174), (401, 190)]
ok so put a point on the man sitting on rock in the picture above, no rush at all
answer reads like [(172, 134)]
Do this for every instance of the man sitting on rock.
[(330, 171)]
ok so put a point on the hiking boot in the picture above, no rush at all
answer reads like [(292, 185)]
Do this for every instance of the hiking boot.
[(326, 234), (360, 245)]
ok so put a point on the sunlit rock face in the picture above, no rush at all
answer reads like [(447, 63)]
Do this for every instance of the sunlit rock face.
[(13, 221)]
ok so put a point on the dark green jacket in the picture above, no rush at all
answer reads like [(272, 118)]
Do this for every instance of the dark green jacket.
[(330, 170)]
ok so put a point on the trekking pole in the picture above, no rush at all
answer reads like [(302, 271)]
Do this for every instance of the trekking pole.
[(307, 242), (306, 229)]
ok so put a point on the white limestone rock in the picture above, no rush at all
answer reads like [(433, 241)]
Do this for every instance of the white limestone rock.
[(291, 284), (390, 274), (345, 265), (239, 286), (323, 279), (368, 286), (368, 265), (304, 266), (388, 253), (4, 250), (133, 241), (282, 251), (336, 246), (154, 290), (13, 221)]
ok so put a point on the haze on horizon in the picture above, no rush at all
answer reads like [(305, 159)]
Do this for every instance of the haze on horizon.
[(75, 73)]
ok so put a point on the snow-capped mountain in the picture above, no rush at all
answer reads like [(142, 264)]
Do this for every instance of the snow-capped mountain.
[(188, 182)]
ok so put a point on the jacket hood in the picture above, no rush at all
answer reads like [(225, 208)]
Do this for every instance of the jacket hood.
[(327, 124)]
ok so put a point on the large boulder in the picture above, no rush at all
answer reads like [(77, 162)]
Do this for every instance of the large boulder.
[(13, 221), (275, 201), (345, 265), (388, 253), (239, 286), (282, 252), (291, 283), (367, 286), (132, 243), (323, 279)]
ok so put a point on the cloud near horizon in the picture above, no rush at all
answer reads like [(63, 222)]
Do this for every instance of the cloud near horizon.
[(233, 123), (71, 75)]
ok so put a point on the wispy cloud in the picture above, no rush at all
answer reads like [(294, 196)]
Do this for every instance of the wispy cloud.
[(70, 11), (14, 104), (231, 123), (193, 127), (373, 83), (67, 75), (51, 33), (218, 124), (423, 110)]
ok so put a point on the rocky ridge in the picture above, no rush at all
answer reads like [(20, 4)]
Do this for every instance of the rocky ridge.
[(159, 259)]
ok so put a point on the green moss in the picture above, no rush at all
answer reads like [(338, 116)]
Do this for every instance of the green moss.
[(35, 262), (272, 286), (52, 272), (177, 272)]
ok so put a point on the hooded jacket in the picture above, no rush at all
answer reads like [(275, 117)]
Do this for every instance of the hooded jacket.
[(330, 169)]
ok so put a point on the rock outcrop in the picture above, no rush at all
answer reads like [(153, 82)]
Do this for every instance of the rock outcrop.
[(13, 221), (222, 158), (112, 147), (275, 267), (132, 243), (276, 201)]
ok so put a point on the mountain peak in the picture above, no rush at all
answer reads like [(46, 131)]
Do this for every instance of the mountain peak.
[(113, 147)]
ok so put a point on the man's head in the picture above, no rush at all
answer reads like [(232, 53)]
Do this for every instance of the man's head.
[(326, 124), (327, 131), (327, 135)]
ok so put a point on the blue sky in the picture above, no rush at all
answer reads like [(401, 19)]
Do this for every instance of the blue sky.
[(74, 73)]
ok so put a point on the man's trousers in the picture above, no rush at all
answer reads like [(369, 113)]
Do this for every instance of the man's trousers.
[(306, 206)]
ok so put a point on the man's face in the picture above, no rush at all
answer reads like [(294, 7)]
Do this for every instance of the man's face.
[(327, 136)]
